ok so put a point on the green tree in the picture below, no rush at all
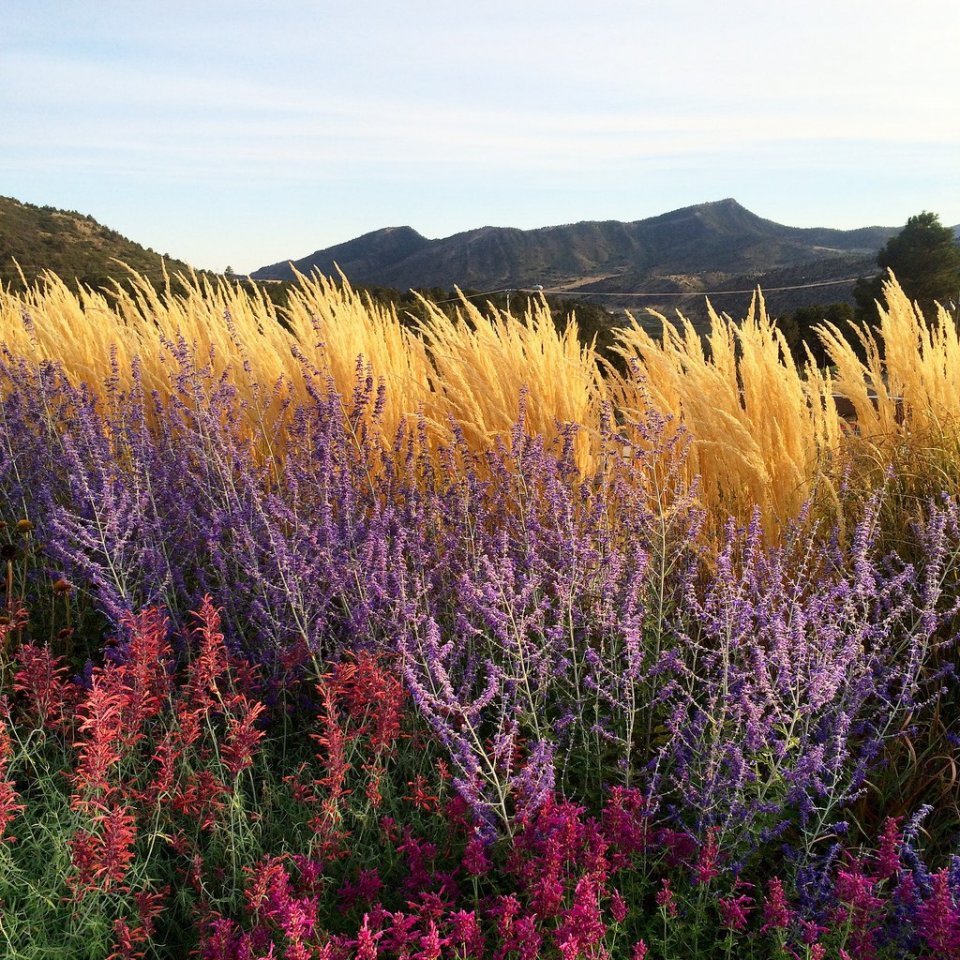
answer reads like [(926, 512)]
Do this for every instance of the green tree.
[(926, 260), (798, 329)]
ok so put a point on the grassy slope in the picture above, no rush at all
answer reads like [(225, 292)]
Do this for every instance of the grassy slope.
[(70, 244)]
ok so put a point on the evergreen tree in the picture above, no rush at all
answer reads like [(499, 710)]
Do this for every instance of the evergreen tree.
[(926, 260)]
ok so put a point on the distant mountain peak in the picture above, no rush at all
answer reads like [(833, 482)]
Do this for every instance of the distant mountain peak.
[(729, 202), (394, 232)]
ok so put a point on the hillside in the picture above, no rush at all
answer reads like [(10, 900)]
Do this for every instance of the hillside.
[(693, 249), (70, 244)]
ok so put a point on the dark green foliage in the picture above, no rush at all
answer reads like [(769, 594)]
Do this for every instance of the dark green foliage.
[(926, 260), (798, 329)]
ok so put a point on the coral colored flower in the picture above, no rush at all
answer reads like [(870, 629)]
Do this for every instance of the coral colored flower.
[(102, 731), (776, 912), (150, 904), (334, 742), (45, 696), (9, 805), (371, 788), (127, 940), (102, 857), (242, 736), (420, 796)]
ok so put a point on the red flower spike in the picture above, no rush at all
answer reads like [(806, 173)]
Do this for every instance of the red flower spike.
[(9, 807), (420, 796), (776, 912)]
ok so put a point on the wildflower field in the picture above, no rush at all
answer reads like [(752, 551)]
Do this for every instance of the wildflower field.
[(330, 635)]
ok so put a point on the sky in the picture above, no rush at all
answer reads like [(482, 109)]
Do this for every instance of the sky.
[(247, 133)]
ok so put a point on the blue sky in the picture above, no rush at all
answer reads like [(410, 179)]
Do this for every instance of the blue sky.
[(245, 133)]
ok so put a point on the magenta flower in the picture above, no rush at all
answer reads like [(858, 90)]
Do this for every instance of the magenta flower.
[(938, 919), (475, 861), (734, 911), (366, 942), (618, 907), (465, 931), (888, 857), (706, 866), (430, 944)]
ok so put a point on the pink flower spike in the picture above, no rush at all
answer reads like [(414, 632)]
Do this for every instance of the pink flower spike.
[(475, 861), (665, 898), (734, 912), (639, 951), (939, 919), (618, 907), (706, 868)]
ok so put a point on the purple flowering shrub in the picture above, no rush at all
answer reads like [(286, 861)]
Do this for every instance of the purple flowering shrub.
[(796, 668), (555, 642)]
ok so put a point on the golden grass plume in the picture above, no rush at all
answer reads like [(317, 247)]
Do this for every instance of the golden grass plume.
[(764, 430)]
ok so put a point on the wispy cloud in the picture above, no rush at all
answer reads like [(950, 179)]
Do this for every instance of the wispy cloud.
[(388, 107)]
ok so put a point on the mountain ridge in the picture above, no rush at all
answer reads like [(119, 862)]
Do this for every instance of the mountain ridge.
[(702, 245)]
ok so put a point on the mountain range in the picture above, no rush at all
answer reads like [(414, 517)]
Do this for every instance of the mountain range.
[(720, 248), (711, 246)]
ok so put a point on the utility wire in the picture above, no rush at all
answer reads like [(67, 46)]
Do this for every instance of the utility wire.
[(559, 291), (696, 293), (473, 296)]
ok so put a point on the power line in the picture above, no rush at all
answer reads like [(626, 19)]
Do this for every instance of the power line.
[(695, 293), (559, 291), (473, 296)]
